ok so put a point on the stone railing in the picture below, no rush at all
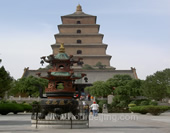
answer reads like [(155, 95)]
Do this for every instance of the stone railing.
[(24, 99), (165, 101)]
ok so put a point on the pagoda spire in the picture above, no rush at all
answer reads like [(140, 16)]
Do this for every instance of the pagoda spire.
[(62, 49), (79, 9)]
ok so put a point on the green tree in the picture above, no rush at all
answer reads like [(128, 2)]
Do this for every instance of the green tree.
[(118, 80), (126, 92), (88, 67), (5, 81), (100, 65), (134, 87), (99, 88), (29, 85), (60, 86), (157, 86), (124, 84)]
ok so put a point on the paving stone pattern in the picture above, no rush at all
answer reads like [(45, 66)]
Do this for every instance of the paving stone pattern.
[(103, 123)]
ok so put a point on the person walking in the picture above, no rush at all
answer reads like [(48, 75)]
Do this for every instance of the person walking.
[(95, 107)]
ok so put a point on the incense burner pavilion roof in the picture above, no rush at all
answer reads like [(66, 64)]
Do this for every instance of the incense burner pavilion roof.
[(61, 56), (60, 74)]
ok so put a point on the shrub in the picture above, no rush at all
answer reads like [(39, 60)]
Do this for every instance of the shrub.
[(23, 102), (131, 105), (112, 109), (157, 110), (139, 109), (101, 102), (17, 108), (27, 107), (88, 67), (6, 108), (35, 103), (134, 102), (153, 103), (143, 103), (13, 101), (154, 110), (3, 101)]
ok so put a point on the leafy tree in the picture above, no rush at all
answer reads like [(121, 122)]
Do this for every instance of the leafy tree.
[(123, 85), (99, 88), (134, 87), (125, 93), (118, 80), (5, 81), (88, 67), (60, 86), (29, 85), (126, 88), (100, 65), (157, 86)]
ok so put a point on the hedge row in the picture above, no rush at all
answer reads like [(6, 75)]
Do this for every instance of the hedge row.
[(154, 110), (6, 108), (143, 102)]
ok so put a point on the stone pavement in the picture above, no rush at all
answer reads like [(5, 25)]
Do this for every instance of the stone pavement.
[(104, 123)]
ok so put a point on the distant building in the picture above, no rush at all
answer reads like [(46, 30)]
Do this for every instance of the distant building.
[(80, 35)]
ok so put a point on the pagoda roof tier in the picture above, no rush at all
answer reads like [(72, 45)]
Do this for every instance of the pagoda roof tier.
[(61, 56), (79, 25), (82, 45), (77, 15), (67, 74), (93, 56), (78, 35)]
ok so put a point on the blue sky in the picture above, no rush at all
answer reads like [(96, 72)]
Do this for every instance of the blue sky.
[(137, 32)]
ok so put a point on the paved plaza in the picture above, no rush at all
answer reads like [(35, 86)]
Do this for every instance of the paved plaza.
[(103, 123)]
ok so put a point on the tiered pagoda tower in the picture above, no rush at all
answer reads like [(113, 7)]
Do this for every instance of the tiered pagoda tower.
[(80, 35)]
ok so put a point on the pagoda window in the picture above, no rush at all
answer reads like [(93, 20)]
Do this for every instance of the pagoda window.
[(59, 85), (78, 41), (78, 31), (78, 22), (79, 52), (61, 67)]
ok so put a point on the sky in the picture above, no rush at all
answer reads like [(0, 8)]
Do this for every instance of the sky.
[(137, 32)]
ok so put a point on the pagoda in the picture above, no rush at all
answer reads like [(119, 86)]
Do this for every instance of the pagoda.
[(60, 91), (80, 34)]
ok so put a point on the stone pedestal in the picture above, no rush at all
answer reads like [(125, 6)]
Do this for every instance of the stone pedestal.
[(104, 110), (109, 99)]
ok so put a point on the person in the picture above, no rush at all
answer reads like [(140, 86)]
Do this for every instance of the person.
[(84, 103), (88, 97), (86, 109), (95, 107), (91, 98)]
